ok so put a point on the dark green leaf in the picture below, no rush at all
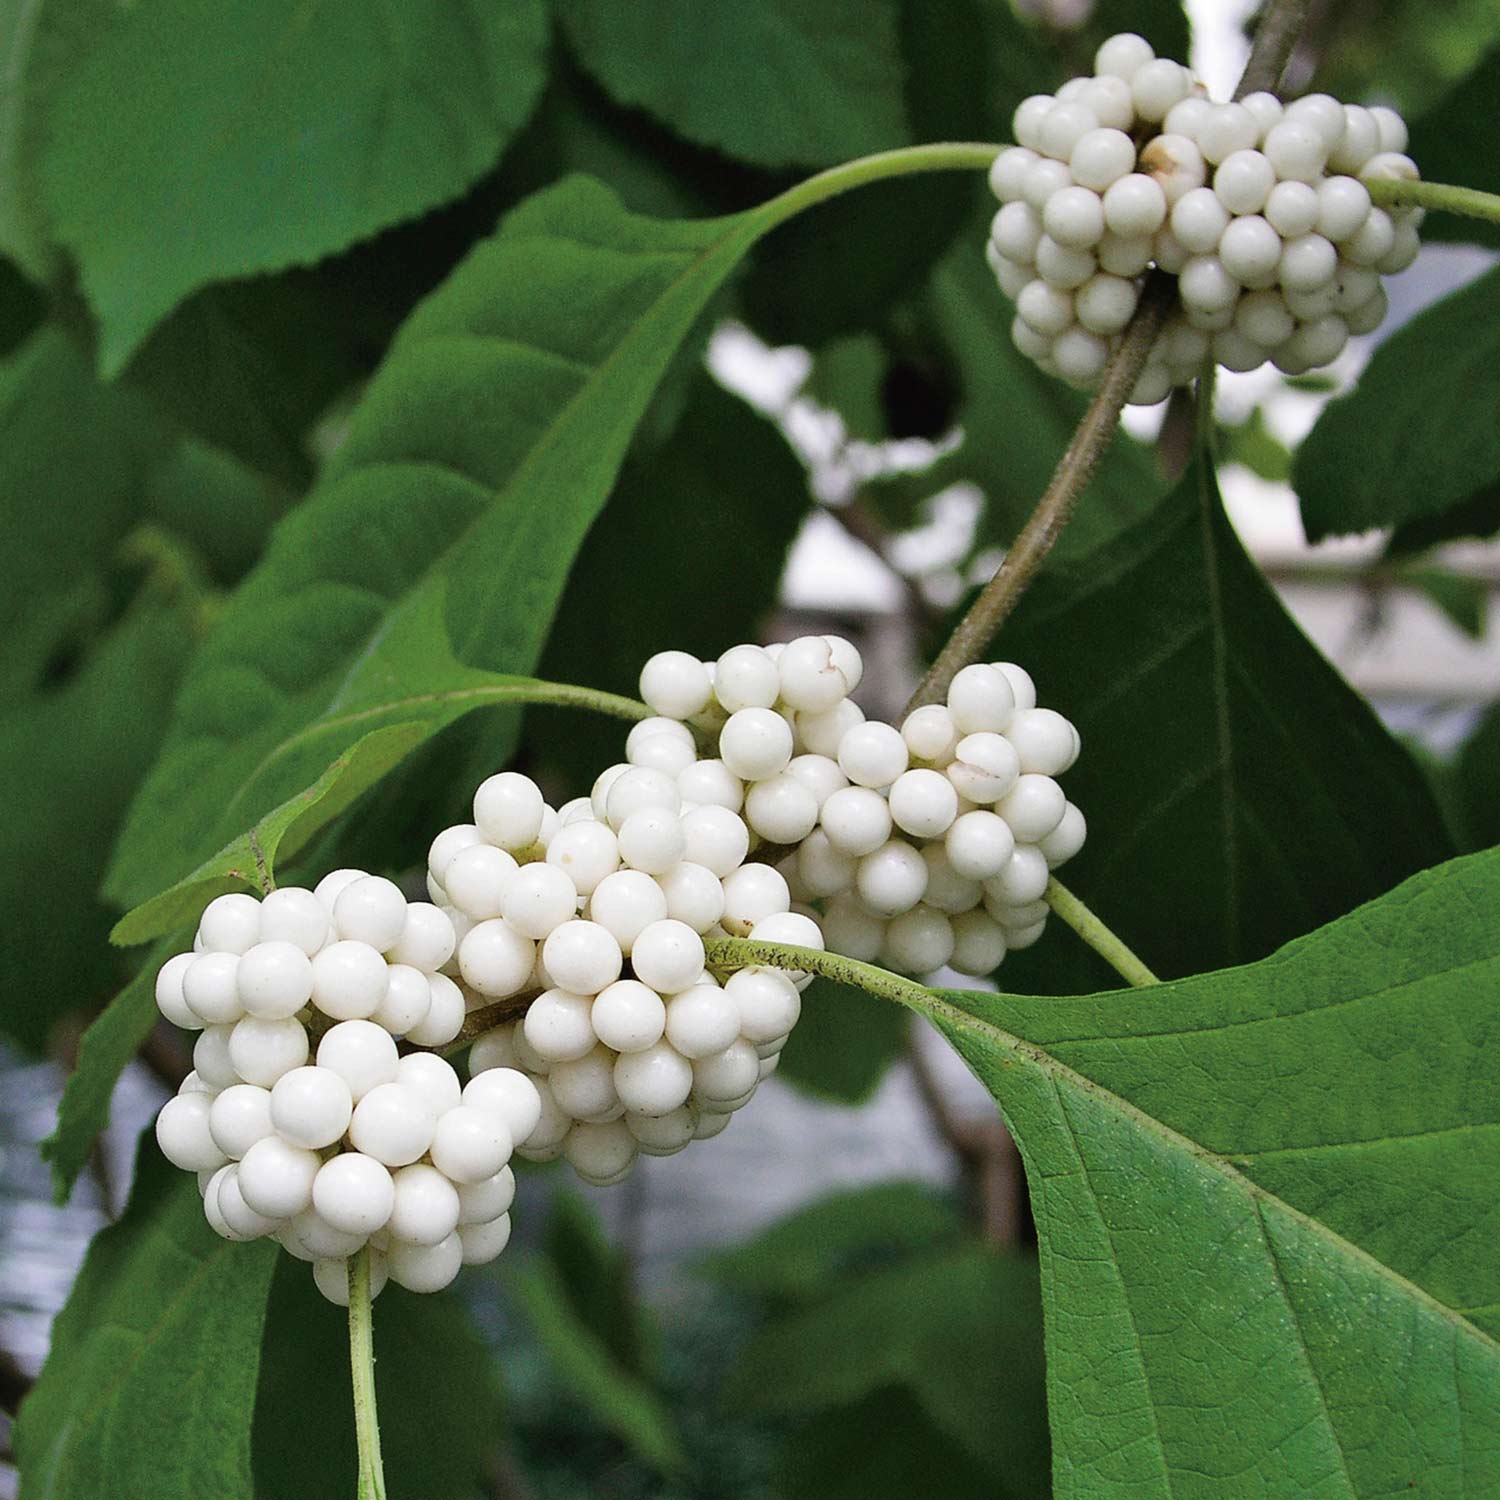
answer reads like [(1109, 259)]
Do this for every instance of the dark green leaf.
[(1016, 422), (1253, 444), (1479, 782), (1420, 433), (706, 520), (70, 758), (1238, 792), (149, 1389), (112, 1039), (960, 1332), (843, 1044), (775, 84), (805, 1256), (474, 465), (580, 1358), (596, 1278), (1464, 600), (1265, 1201), (847, 376), (295, 132), (881, 1447), (74, 460), (1451, 143), (1479, 515), (839, 268), (440, 1410)]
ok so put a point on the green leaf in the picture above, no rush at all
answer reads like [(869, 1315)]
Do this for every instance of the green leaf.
[(1417, 436), (881, 1447), (840, 269), (70, 758), (1464, 600), (149, 1389), (294, 133), (959, 1331), (1479, 781), (74, 460), (1238, 791), (1265, 1203), (702, 573), (114, 1036), (435, 1384), (250, 860), (1451, 144), (447, 522), (842, 1045), (847, 376), (597, 1280), (581, 1360), (768, 82), (1016, 422), (807, 1254)]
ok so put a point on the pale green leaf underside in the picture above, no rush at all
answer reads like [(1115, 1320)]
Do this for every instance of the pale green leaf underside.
[(1267, 1210), (292, 129)]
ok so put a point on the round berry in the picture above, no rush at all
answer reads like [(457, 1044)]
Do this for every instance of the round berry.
[(445, 1014), (392, 1123), (661, 745), (984, 768), (676, 684), (274, 979), (626, 902), (1102, 157), (1199, 220), (370, 910), (746, 677), (184, 1134), (662, 1135), (668, 955), (811, 680), (1157, 86), (170, 1000), (628, 1016), (407, 1002), (354, 1193), (702, 1020), (1074, 217), (727, 1075), (766, 1002), (849, 929), (495, 959), (276, 1178), (601, 1154), (470, 1144), (1243, 181), (1263, 318), (1024, 878), (1066, 839), (585, 852), (694, 895), (511, 1095), (1045, 741), (558, 1025), (651, 840), (584, 1087), (425, 1268), (1134, 206), (978, 943), (923, 803), (428, 941), (1063, 265), (332, 1278), (483, 1242), (640, 789), (1008, 173), (361, 1053), (1033, 807), (978, 845), (857, 820), (349, 980), (1063, 126), (930, 734), (919, 941), (210, 988), (1266, 108), (230, 924), (756, 743), (892, 878), (317, 1239), (781, 809), (484, 1201), (292, 915), (1343, 206), (583, 957), (1250, 251), (240, 1220), (1175, 163), (980, 698), (653, 1080), (211, 1060), (425, 1211), (751, 892), (1043, 179), (1296, 150), (263, 1050), (711, 783), (310, 1107), (1123, 55), (478, 878), (1307, 263), (508, 809)]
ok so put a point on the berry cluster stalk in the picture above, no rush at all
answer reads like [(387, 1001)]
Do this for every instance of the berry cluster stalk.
[(362, 1367), (1446, 196), (1276, 36)]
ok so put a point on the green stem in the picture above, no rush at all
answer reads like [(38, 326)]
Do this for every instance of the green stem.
[(362, 1366), (941, 156), (743, 953), (1107, 944), (1396, 193)]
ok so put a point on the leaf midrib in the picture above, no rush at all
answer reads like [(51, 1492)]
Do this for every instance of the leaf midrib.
[(955, 1017)]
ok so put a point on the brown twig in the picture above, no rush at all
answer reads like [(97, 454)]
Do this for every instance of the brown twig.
[(1275, 38)]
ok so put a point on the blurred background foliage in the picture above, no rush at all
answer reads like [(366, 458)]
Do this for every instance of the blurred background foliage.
[(214, 223)]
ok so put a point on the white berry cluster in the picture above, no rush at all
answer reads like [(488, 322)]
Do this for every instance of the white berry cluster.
[(1260, 211), (358, 1145), (596, 914), (924, 846)]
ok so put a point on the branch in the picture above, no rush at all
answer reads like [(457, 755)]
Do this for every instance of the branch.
[(1274, 40)]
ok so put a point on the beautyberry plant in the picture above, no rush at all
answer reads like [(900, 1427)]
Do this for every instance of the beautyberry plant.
[(322, 478)]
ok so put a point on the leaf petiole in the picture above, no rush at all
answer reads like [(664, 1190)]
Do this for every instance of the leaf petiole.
[(362, 1368), (1447, 196)]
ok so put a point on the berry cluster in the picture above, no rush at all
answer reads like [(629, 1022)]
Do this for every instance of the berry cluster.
[(1260, 211), (594, 916), (921, 847), (361, 1145)]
